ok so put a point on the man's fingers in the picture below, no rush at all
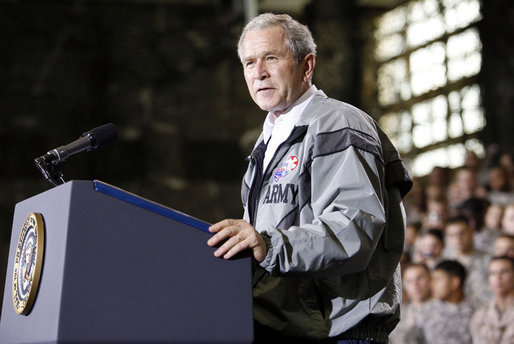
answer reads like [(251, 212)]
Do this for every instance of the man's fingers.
[(240, 246), (223, 230), (229, 245), (239, 235), (240, 243), (220, 225)]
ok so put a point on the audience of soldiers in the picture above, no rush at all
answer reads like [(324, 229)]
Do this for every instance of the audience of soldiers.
[(458, 263)]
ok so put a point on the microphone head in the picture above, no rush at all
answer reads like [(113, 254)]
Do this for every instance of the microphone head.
[(102, 134)]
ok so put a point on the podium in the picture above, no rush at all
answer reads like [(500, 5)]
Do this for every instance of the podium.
[(117, 268)]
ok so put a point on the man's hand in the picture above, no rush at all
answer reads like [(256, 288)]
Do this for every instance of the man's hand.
[(239, 235)]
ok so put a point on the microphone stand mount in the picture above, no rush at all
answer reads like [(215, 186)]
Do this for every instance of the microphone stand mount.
[(50, 169)]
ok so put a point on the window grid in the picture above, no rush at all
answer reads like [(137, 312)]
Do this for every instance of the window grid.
[(427, 80)]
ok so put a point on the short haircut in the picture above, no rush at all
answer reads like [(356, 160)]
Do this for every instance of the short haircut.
[(417, 265), (453, 268), (457, 219), (436, 233), (507, 258), (298, 37)]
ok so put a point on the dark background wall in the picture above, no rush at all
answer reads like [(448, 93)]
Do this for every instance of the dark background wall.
[(497, 77), (167, 75)]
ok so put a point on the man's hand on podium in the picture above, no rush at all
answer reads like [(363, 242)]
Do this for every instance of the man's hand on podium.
[(239, 235)]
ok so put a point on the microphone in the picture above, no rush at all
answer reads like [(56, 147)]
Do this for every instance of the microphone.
[(48, 163), (86, 142)]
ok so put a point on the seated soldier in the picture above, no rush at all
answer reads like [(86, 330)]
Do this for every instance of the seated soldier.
[(494, 323), (445, 319), (459, 239), (416, 284)]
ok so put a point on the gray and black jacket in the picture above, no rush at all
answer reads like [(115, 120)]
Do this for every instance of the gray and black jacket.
[(329, 206)]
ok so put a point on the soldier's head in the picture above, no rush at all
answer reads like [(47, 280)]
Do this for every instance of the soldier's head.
[(447, 282), (459, 234), (501, 275), (416, 282), (507, 221), (504, 245)]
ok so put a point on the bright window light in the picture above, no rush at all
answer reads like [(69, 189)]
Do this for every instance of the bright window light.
[(424, 49)]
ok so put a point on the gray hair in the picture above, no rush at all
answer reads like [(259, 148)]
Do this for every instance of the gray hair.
[(298, 37)]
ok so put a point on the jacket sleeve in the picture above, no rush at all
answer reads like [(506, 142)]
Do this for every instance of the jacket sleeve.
[(343, 214)]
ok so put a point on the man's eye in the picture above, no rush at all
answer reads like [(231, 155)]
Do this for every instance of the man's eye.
[(249, 64), (270, 58)]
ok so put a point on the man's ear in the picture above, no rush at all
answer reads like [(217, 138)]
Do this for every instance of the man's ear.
[(309, 63)]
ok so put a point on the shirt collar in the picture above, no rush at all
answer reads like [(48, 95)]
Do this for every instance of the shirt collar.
[(292, 114)]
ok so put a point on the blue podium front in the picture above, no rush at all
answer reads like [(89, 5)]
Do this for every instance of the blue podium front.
[(118, 268)]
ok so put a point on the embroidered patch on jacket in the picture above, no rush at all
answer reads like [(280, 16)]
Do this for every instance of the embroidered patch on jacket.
[(285, 168)]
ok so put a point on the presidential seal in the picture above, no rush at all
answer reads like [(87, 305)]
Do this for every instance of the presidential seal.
[(28, 263)]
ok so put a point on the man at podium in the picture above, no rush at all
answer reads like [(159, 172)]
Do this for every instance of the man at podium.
[(323, 216)]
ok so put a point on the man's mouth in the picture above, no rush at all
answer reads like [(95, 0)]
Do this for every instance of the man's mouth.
[(264, 89)]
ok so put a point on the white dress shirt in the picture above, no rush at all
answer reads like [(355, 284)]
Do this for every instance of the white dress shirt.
[(277, 130)]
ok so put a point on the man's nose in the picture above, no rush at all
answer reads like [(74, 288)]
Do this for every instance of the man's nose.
[(260, 71)]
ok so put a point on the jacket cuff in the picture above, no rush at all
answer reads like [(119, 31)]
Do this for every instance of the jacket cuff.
[(269, 251)]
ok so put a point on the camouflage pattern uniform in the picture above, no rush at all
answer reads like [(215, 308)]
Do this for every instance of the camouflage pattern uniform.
[(488, 325), (476, 287), (446, 323), (485, 238), (408, 330)]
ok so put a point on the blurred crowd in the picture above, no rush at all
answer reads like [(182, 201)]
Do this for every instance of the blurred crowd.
[(458, 262)]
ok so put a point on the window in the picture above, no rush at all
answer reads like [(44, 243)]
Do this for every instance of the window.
[(428, 55)]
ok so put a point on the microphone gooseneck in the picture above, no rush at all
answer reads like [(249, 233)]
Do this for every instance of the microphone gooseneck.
[(90, 140)]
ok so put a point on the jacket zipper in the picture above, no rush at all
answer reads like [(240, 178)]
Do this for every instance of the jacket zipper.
[(260, 182), (256, 194)]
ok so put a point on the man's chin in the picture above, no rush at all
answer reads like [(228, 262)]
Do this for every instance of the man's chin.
[(267, 107)]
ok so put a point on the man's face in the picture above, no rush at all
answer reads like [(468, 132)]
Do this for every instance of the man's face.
[(497, 178), (501, 277), (493, 216), (273, 76), (466, 180), (441, 285), (410, 234), (504, 247), (416, 282), (460, 237), (436, 214), (432, 247), (508, 220)]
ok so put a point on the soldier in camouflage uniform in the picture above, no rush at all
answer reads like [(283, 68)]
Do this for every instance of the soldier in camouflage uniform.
[(494, 323), (416, 284), (445, 319), (459, 238)]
